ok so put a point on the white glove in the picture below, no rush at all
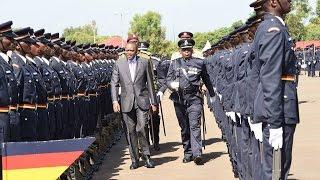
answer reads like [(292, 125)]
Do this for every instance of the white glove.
[(160, 94), (256, 129), (174, 85), (275, 138), (239, 116), (211, 99), (233, 116), (220, 96)]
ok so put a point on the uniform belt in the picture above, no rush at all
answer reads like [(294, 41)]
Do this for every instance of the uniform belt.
[(57, 97), (4, 109), (93, 94), (42, 106), (13, 107), (288, 78), (51, 98), (103, 86), (65, 97), (28, 106), (81, 94)]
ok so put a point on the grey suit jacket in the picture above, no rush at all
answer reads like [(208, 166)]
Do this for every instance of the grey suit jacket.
[(140, 90)]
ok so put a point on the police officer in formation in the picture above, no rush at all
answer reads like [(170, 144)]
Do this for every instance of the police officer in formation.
[(52, 88), (317, 60), (256, 106), (52, 83)]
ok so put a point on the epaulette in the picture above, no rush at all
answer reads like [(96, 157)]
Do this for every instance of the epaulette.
[(145, 55), (156, 58), (122, 55)]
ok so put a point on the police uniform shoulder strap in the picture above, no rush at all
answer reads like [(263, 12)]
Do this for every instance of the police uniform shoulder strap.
[(145, 55)]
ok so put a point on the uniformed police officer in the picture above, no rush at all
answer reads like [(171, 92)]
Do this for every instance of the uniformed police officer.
[(276, 103), (51, 80), (27, 85), (186, 35), (42, 96), (9, 116), (63, 107), (317, 58), (309, 60), (184, 79)]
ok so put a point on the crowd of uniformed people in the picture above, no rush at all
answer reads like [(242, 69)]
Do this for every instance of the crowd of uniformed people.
[(56, 89), (309, 60), (254, 72), (53, 89)]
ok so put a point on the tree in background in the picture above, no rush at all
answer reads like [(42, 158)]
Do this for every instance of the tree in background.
[(214, 36), (148, 28), (313, 28), (84, 34), (296, 18)]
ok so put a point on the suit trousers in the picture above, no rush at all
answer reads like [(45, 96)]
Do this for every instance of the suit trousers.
[(136, 122)]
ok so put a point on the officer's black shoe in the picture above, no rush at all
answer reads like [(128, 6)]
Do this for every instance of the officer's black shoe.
[(198, 160), (134, 165), (149, 162), (187, 159), (143, 158), (156, 147)]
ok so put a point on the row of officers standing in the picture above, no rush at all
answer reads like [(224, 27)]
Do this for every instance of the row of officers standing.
[(51, 88), (254, 75), (309, 59)]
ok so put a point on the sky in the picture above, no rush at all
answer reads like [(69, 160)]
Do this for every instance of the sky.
[(113, 17)]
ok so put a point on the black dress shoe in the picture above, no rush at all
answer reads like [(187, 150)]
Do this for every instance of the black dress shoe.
[(134, 165), (149, 162), (156, 147), (187, 159), (198, 160), (143, 158)]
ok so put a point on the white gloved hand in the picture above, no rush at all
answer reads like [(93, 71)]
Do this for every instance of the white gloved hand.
[(220, 96), (233, 116), (256, 129), (239, 116), (211, 99), (174, 85), (275, 138), (160, 94)]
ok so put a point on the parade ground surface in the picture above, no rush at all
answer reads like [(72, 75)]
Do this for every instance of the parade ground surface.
[(217, 165)]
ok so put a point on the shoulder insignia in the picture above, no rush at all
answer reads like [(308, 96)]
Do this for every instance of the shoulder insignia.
[(145, 55), (273, 29), (122, 55)]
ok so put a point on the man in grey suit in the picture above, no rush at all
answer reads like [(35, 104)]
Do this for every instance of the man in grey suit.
[(134, 75)]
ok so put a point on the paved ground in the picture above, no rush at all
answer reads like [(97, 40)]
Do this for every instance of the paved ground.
[(217, 166)]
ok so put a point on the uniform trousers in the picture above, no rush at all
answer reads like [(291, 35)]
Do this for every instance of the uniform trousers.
[(286, 151), (189, 118)]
